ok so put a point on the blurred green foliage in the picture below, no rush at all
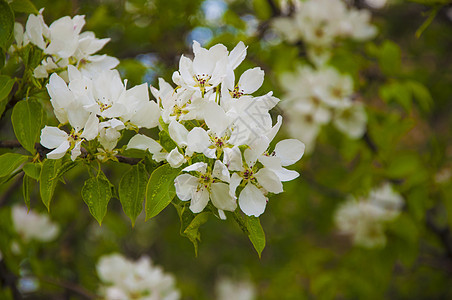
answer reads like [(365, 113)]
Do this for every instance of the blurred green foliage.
[(406, 84)]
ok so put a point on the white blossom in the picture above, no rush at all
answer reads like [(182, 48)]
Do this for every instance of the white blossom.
[(204, 186), (140, 280), (33, 226), (227, 288), (64, 44), (96, 107), (364, 219), (321, 22), (314, 98)]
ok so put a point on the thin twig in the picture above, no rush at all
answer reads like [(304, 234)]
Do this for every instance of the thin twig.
[(69, 286), (443, 234), (43, 152), (369, 142), (10, 144), (325, 190), (128, 160), (13, 188), (274, 8), (12, 101), (9, 279)]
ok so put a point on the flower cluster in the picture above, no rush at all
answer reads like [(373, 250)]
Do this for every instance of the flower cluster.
[(125, 279), (364, 218), (96, 107), (319, 23), (222, 132), (314, 98), (33, 226), (63, 45), (228, 288)]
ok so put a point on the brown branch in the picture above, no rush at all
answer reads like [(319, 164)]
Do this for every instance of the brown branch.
[(10, 144), (443, 234), (11, 101), (128, 160), (275, 10), (9, 279), (13, 188), (69, 286), (369, 142), (43, 152), (325, 190)]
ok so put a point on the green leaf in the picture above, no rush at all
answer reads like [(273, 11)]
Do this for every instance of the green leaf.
[(166, 142), (6, 85), (47, 184), (185, 215), (2, 60), (68, 165), (390, 58), (6, 24), (431, 16), (10, 161), (192, 230), (255, 233), (96, 193), (262, 9), (398, 92), (27, 181), (33, 170), (27, 119), (132, 190), (421, 93), (241, 222), (160, 190), (24, 6)]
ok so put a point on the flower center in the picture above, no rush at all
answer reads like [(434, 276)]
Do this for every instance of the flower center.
[(74, 136), (202, 82), (179, 110), (248, 174), (205, 180), (104, 103), (236, 93)]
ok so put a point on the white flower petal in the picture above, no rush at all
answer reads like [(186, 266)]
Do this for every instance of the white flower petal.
[(269, 181), (186, 70), (221, 214), (143, 142), (237, 55), (60, 151), (216, 118), (251, 201), (53, 137), (199, 200), (289, 151), (175, 159), (178, 133), (198, 140), (185, 185), (251, 80), (91, 129), (233, 159), (147, 115), (220, 171), (272, 132), (285, 175), (256, 149), (197, 167), (234, 183), (221, 198), (75, 152)]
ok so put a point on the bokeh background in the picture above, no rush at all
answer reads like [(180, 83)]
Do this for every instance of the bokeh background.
[(408, 142)]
